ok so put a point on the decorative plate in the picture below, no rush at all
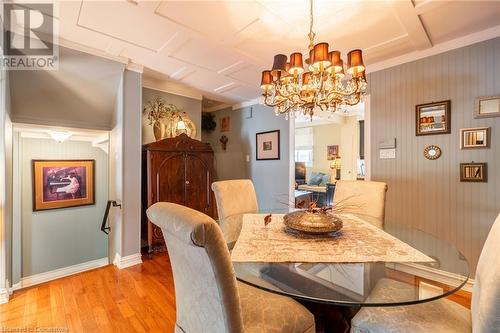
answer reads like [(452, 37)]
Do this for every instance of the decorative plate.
[(172, 131), (313, 221), (432, 152)]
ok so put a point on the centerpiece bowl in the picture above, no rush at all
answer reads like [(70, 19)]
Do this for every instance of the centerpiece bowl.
[(313, 221)]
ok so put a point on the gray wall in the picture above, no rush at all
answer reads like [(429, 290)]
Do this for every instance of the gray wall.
[(132, 105), (189, 105), (271, 178), (59, 238), (428, 194)]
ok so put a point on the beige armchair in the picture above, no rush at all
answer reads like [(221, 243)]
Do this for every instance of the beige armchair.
[(363, 198), (208, 297), (443, 315), (234, 198)]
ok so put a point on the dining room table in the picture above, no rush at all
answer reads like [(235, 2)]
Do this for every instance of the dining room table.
[(336, 274)]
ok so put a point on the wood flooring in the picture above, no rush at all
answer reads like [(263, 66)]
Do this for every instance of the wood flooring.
[(135, 299)]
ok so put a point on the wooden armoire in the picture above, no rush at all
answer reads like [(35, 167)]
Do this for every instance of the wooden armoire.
[(178, 170)]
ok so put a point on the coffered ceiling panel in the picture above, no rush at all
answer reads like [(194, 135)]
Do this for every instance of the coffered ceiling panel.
[(470, 17), (218, 20), (202, 53), (220, 47), (127, 21)]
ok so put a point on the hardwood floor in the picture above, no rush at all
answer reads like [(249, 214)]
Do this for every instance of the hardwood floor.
[(134, 299)]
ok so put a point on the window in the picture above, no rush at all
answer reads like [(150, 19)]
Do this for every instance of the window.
[(304, 145)]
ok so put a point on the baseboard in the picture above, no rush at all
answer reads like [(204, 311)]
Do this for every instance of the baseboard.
[(433, 274), (4, 295), (59, 273), (127, 261)]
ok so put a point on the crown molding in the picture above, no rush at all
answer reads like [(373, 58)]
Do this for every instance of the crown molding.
[(245, 104), (92, 51), (132, 66), (456, 43), (171, 87)]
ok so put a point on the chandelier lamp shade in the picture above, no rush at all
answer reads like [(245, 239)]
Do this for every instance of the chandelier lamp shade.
[(321, 82)]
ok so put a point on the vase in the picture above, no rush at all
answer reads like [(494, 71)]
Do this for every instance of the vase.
[(159, 130)]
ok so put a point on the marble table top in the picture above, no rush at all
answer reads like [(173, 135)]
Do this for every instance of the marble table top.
[(357, 242)]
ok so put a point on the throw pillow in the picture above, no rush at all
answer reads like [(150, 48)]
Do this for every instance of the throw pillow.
[(315, 178)]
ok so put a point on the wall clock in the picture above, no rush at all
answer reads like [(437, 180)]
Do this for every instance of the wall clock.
[(432, 152)]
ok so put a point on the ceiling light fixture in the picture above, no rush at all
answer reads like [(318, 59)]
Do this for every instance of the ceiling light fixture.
[(325, 86), (60, 136)]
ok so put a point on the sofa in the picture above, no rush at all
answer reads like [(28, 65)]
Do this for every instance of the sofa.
[(316, 182)]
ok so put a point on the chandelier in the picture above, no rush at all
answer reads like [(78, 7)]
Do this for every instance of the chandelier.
[(325, 86)]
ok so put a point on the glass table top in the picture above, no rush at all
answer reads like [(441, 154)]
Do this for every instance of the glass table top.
[(366, 284)]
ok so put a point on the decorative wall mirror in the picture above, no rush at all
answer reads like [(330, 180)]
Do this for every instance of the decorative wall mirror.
[(432, 152)]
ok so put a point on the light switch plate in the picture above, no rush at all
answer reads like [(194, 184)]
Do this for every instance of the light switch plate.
[(387, 153)]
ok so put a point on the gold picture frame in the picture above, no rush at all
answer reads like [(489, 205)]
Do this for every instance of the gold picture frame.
[(474, 138), (63, 183), (487, 107)]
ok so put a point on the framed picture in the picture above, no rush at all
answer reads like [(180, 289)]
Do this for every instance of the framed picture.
[(486, 107), (225, 124), (473, 172), (332, 152), (433, 118), (62, 183), (474, 137), (268, 145)]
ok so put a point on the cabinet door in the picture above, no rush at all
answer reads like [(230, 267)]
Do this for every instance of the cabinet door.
[(198, 179), (169, 179)]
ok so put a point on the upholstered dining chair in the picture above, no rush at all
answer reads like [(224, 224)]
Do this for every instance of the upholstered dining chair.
[(363, 198), (234, 198), (208, 297), (443, 315)]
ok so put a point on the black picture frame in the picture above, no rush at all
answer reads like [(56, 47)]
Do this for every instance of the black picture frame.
[(481, 170), (275, 154)]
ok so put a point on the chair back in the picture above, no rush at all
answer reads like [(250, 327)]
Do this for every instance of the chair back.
[(235, 197), (206, 293), (364, 198), (485, 306)]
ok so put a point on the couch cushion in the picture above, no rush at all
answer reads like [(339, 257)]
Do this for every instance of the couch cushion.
[(265, 312), (315, 178), (320, 189)]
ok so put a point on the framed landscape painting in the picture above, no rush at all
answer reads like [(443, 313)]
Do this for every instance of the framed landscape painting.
[(268, 145), (62, 183)]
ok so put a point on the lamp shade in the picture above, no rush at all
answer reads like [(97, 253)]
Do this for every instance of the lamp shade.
[(341, 73), (296, 66), (279, 64), (337, 63), (355, 62), (320, 57), (267, 80), (306, 77)]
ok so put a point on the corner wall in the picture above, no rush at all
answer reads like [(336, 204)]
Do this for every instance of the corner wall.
[(271, 178), (428, 194)]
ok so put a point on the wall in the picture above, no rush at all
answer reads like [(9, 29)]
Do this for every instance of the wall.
[(428, 194), (189, 105), (59, 238), (349, 148), (323, 136), (271, 178), (5, 187)]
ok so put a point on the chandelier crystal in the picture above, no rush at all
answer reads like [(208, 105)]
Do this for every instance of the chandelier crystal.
[(327, 85)]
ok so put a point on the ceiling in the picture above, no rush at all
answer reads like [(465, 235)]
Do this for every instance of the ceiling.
[(221, 47), (81, 93)]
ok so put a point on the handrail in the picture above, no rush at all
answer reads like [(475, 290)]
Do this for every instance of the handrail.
[(105, 228)]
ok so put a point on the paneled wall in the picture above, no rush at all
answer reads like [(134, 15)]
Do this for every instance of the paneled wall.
[(428, 194)]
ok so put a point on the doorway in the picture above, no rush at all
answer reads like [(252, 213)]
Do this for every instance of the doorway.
[(60, 190)]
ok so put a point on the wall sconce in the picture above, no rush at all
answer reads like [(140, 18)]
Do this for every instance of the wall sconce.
[(223, 140)]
